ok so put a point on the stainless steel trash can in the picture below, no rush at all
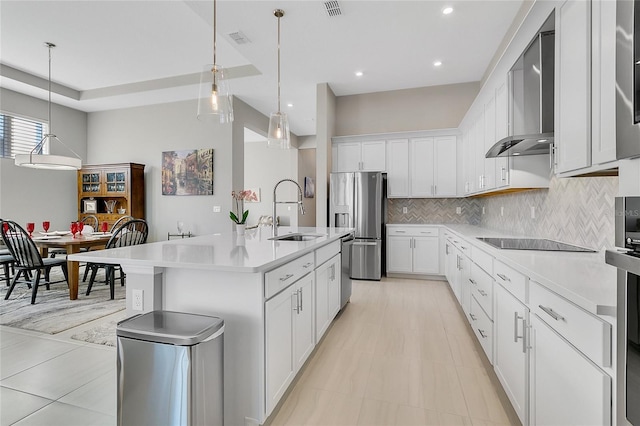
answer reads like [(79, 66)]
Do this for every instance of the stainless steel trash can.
[(170, 369)]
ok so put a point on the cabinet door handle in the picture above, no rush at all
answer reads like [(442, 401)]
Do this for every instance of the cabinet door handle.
[(472, 282), (502, 174), (503, 277), (286, 277), (482, 292), (296, 308), (484, 336), (446, 249), (300, 300), (553, 314), (435, 189), (517, 317)]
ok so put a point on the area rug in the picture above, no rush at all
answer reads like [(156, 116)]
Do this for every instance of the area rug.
[(103, 334), (53, 312)]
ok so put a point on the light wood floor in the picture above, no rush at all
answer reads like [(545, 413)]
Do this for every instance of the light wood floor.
[(400, 354)]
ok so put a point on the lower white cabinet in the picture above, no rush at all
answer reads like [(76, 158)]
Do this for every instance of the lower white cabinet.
[(289, 336), (566, 388), (510, 358), (327, 294), (413, 250)]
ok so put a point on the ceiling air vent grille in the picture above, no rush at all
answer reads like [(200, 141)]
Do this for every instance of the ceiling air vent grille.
[(332, 8), (239, 37)]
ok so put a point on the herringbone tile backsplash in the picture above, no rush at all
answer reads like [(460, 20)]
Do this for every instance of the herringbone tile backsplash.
[(573, 210)]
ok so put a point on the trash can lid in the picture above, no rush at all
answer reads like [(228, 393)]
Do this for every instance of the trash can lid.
[(174, 328)]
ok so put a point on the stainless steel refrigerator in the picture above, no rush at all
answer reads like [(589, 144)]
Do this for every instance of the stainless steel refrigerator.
[(359, 200)]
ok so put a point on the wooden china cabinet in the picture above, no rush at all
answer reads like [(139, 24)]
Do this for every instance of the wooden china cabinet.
[(103, 184)]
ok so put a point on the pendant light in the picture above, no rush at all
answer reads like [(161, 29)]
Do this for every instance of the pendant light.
[(278, 136), (214, 102), (36, 159)]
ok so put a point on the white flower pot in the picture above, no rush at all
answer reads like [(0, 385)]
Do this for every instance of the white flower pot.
[(240, 228)]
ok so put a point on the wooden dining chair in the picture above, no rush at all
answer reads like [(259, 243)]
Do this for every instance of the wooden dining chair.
[(27, 258), (129, 233)]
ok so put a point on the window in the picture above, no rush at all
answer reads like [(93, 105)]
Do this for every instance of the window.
[(20, 135)]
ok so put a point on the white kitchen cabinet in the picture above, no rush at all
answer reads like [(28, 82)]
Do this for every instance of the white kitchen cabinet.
[(482, 327), (458, 270), (290, 336), (510, 359), (501, 132), (585, 86), (327, 294), (565, 387), (398, 168), (489, 140), (360, 156), (433, 167), (413, 250)]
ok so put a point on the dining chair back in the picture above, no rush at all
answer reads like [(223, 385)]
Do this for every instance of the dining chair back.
[(27, 257), (130, 233), (92, 221), (120, 221)]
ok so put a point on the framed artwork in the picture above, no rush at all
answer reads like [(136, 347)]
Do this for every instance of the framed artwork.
[(309, 187), (187, 172), (256, 191)]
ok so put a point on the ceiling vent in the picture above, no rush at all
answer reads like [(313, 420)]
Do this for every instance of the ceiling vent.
[(332, 8), (239, 37)]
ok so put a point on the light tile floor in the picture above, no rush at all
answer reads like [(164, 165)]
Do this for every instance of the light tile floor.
[(400, 354)]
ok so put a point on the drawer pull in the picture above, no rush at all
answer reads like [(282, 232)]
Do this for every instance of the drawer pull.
[(472, 282), (473, 317), (484, 336), (551, 313), (503, 277), (286, 277), (463, 247), (306, 265), (482, 292), (400, 232)]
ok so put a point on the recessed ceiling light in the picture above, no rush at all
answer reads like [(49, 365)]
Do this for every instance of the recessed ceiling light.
[(437, 63), (516, 153), (359, 73), (542, 140), (447, 10), (290, 105)]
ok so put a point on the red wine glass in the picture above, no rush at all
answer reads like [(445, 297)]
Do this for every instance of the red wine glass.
[(45, 226), (105, 226), (74, 228), (80, 227), (5, 226), (31, 226)]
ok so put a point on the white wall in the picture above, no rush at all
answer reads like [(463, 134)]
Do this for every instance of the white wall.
[(29, 195), (263, 168)]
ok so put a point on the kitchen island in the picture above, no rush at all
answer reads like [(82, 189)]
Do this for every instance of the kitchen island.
[(265, 290)]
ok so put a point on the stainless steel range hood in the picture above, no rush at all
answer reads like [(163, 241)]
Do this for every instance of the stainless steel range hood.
[(531, 99)]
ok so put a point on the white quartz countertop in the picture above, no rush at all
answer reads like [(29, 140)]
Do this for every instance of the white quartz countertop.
[(583, 278), (253, 252)]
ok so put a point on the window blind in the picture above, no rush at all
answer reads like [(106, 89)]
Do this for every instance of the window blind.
[(19, 135)]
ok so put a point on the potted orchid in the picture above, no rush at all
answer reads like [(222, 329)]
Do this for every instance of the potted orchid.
[(240, 215)]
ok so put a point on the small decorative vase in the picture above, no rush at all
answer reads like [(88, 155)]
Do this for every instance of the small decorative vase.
[(240, 228)]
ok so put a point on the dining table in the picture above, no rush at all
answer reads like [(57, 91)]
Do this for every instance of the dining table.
[(72, 245)]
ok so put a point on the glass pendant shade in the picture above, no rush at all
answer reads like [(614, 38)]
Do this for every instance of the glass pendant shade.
[(214, 103), (278, 135)]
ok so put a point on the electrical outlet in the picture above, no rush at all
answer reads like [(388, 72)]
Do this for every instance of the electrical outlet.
[(404, 210), (501, 210), (137, 302), (216, 209), (533, 212), (458, 210)]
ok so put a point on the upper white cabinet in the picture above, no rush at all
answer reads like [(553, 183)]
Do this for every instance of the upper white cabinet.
[(585, 86), (398, 168), (433, 167), (360, 156)]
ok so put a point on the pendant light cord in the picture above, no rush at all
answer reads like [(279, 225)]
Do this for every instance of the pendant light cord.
[(50, 46), (279, 13), (214, 33)]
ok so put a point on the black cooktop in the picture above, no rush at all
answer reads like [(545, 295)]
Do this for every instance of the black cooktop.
[(532, 244)]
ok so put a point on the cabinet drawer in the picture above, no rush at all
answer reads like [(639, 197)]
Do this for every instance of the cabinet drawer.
[(415, 231), (287, 274), (482, 327), (327, 252), (513, 281), (482, 288), (482, 259), (461, 244), (588, 333)]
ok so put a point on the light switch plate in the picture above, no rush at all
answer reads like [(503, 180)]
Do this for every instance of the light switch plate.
[(216, 209)]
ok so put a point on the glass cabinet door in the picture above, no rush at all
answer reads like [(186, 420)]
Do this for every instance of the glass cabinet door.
[(91, 182), (116, 182)]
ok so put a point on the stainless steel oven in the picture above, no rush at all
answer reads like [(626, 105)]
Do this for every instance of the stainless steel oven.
[(627, 259), (627, 78)]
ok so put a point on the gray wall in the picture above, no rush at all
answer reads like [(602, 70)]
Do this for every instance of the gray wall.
[(141, 134), (307, 167), (325, 130), (424, 108), (30, 195)]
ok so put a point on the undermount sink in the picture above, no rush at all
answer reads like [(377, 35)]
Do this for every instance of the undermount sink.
[(296, 237)]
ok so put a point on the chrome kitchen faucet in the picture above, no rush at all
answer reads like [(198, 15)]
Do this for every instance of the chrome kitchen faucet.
[(299, 202)]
